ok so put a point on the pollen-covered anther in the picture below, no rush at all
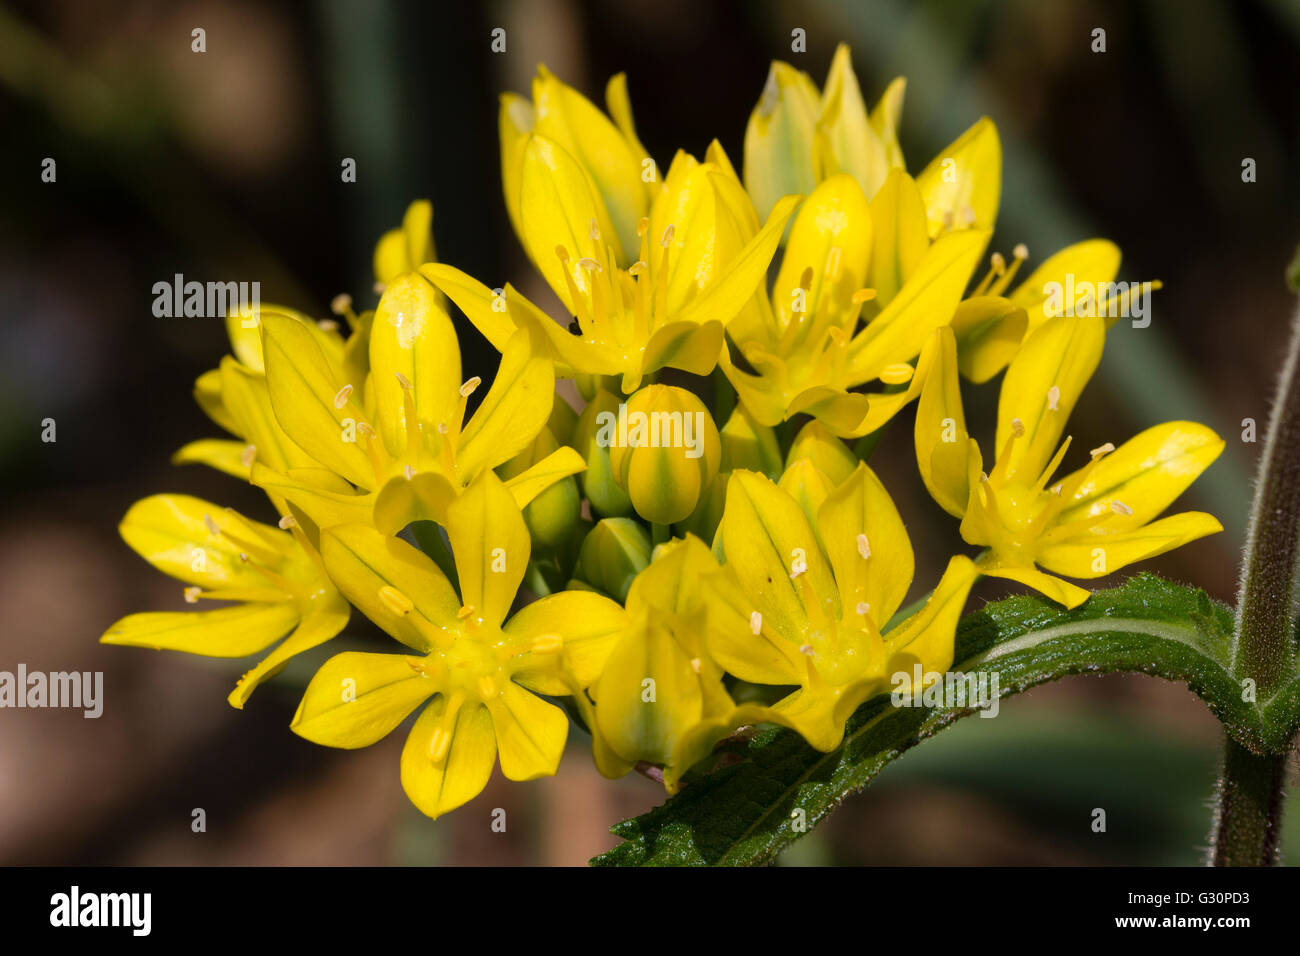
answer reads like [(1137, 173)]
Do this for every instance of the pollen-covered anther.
[(469, 385), (899, 373), (755, 623), (287, 522), (403, 381), (638, 268), (806, 650), (341, 304), (1120, 508), (562, 254), (864, 546), (1101, 450), (1017, 428), (192, 595), (1054, 398), (863, 608), (590, 264), (243, 557), (248, 455), (642, 225), (366, 429), (443, 428), (667, 238), (863, 295), (594, 231), (395, 600), (1021, 251), (547, 644), (211, 525), (968, 215), (341, 397), (997, 263), (697, 665), (408, 472)]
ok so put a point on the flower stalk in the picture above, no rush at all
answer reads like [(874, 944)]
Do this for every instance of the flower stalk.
[(1250, 796)]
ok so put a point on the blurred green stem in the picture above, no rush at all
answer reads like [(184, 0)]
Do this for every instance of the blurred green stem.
[(1263, 650)]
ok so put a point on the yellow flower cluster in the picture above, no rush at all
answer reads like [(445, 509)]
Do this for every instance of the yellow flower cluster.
[(674, 580)]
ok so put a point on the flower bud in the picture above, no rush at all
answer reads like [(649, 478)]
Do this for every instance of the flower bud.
[(664, 451), (614, 552), (598, 484), (552, 514), (828, 454), (747, 444)]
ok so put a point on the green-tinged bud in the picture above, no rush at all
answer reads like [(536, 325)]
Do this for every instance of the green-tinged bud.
[(563, 420), (614, 552), (552, 513), (664, 451), (747, 444), (827, 453), (598, 484), (779, 138)]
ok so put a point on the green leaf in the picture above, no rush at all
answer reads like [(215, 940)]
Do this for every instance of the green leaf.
[(746, 813)]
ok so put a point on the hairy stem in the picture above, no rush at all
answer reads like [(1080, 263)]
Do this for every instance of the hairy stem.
[(1263, 648)]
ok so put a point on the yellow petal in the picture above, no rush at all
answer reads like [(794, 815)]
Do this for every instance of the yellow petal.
[(491, 545), (226, 632), (356, 699), (818, 443), (688, 346), (767, 537), (762, 658), (1094, 261), (422, 497), (395, 585), (1058, 590), (556, 466), (564, 115), (867, 545), (927, 301), (514, 123), (844, 413), (940, 433), (989, 330), (557, 204), (832, 237), (963, 184), (857, 146), (326, 616), (481, 305), (926, 638), (779, 138), (207, 393), (305, 390), (530, 733), (1143, 476), (900, 236), (1051, 369), (1094, 555), (514, 410), (885, 116), (586, 624), (221, 454), (439, 784), (413, 337), (248, 400)]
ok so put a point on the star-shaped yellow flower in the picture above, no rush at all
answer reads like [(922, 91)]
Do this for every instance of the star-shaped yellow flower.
[(1087, 524)]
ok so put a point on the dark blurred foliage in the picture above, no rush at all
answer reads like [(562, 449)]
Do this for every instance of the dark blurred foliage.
[(226, 166)]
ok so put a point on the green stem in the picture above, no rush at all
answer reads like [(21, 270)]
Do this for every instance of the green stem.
[(1263, 647)]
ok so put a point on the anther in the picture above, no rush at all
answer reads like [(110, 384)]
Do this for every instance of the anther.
[(409, 472), (1053, 398), (366, 429), (594, 230), (697, 665), (247, 456), (863, 608), (638, 268), (1017, 428), (755, 623), (863, 295), (443, 428), (395, 600), (666, 239), (899, 373), (341, 303), (864, 546), (211, 525), (341, 398), (1021, 251), (806, 649), (192, 595), (403, 381), (590, 264), (998, 263), (1120, 508), (327, 325), (467, 389), (1101, 450), (287, 522)]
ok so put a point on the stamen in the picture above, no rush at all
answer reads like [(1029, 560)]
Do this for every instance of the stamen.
[(287, 522), (1019, 254), (467, 389), (465, 612), (863, 608), (1053, 398), (864, 547), (341, 397), (395, 600), (594, 230), (327, 325), (697, 665), (1101, 450), (900, 373), (211, 525), (590, 264), (341, 304), (666, 239), (806, 649), (408, 472), (366, 429), (248, 455), (1017, 428), (1120, 508), (403, 381), (192, 595), (638, 268), (755, 623)]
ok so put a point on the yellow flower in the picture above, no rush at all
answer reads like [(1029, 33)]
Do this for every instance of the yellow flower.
[(805, 345), (805, 601), (275, 575), (648, 271), (479, 672), (393, 447), (1093, 521), (403, 250), (660, 699), (664, 451)]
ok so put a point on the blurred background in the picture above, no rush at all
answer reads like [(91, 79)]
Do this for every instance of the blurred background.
[(226, 165)]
